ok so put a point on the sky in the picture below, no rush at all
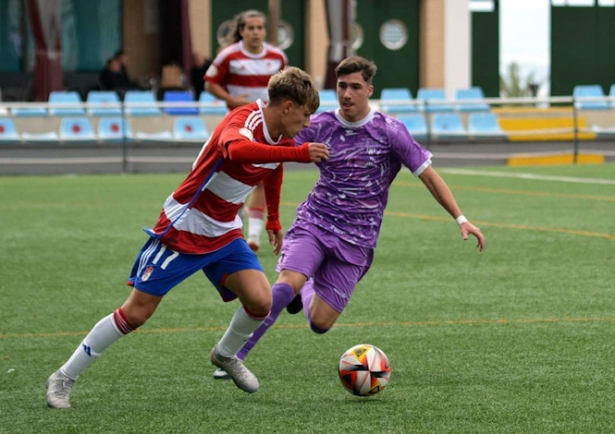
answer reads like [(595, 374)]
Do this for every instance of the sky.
[(525, 36)]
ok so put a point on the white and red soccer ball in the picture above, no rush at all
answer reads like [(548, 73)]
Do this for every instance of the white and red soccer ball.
[(364, 370)]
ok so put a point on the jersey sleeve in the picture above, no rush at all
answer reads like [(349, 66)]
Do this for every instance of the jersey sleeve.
[(238, 143), (412, 155), (305, 135), (218, 71), (273, 189)]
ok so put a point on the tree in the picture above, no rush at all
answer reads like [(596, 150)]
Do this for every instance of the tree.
[(514, 85)]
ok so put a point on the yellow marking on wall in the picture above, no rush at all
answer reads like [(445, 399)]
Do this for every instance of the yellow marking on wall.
[(554, 159), (524, 129)]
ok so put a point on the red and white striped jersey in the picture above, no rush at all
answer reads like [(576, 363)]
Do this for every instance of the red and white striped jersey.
[(243, 73), (201, 215)]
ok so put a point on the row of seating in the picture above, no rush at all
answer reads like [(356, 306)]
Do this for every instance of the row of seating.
[(136, 102), (110, 129), (143, 103), (399, 101), (394, 101), (451, 126), (592, 97), (193, 129)]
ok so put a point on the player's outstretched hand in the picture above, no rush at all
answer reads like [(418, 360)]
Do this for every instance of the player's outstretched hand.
[(318, 152), (467, 228), (275, 239)]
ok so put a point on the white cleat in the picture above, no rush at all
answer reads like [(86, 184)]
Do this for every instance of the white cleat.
[(58, 390), (221, 374), (242, 376)]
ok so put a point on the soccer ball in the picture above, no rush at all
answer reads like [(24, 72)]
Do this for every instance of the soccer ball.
[(364, 370)]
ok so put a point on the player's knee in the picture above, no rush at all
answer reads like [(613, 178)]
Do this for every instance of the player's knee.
[(293, 279), (260, 304), (317, 329), (320, 323)]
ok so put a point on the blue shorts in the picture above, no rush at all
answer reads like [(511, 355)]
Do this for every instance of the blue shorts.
[(158, 269), (335, 265)]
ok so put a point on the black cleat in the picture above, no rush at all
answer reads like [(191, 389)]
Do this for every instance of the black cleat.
[(295, 306)]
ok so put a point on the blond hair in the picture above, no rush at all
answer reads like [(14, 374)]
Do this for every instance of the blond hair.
[(294, 84)]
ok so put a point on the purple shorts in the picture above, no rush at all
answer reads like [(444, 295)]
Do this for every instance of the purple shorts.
[(335, 265)]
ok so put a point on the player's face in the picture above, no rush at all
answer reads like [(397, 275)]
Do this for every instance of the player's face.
[(253, 34), (294, 119), (353, 94)]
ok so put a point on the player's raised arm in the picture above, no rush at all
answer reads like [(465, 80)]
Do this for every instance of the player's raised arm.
[(246, 151)]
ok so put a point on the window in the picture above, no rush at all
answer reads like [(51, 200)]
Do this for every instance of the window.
[(482, 5), (573, 3), (393, 34)]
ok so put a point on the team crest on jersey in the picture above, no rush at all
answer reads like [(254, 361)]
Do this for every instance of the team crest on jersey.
[(247, 134), (147, 273)]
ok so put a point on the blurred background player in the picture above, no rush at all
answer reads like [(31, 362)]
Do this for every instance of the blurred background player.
[(199, 230), (330, 246), (200, 64), (239, 75)]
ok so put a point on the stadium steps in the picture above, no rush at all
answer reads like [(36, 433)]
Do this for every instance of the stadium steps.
[(528, 124)]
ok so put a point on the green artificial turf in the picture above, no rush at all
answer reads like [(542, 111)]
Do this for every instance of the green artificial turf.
[(517, 339)]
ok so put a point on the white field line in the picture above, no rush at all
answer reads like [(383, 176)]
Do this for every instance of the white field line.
[(532, 176), (501, 156)]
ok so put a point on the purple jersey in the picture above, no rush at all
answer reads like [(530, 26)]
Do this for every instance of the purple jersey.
[(351, 194)]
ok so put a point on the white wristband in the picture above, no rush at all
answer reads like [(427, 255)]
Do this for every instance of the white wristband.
[(461, 219)]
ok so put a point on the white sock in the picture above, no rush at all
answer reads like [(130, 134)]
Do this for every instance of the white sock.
[(238, 332), (104, 333), (255, 226)]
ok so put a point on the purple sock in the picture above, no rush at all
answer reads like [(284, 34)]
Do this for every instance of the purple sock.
[(282, 294)]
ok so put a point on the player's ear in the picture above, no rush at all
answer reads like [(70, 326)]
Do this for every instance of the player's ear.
[(370, 90), (288, 104)]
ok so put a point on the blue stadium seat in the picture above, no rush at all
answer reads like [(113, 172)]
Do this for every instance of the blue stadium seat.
[(396, 101), (174, 98), (210, 105), (328, 100), (141, 103), (448, 125), (28, 111), (114, 129), (432, 98), (190, 129), (612, 95), (416, 124), (46, 137), (471, 100), (589, 91), (60, 103), (104, 103), (77, 129), (8, 132), (484, 125)]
